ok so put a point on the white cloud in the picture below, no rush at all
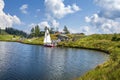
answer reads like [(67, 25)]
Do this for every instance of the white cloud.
[(110, 5), (87, 19), (110, 8), (58, 9), (86, 29), (32, 25), (103, 25), (75, 7), (1, 6), (44, 24), (24, 8), (6, 20), (107, 19), (55, 23)]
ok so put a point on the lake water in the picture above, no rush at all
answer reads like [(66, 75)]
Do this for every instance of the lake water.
[(30, 62)]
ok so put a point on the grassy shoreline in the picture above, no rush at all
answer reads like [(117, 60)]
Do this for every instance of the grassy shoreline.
[(109, 70)]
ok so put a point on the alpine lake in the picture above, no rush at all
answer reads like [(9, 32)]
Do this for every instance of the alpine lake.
[(33, 62)]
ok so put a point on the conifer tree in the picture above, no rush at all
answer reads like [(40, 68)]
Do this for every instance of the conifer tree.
[(66, 31)]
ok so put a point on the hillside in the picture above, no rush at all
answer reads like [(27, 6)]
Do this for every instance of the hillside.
[(12, 31), (8, 37)]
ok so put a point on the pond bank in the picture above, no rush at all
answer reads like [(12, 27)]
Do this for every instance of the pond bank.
[(110, 70), (94, 42), (27, 62)]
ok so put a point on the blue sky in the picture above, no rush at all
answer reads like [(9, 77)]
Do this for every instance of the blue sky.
[(87, 16)]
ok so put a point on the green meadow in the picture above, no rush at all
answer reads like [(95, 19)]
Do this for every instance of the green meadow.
[(8, 37)]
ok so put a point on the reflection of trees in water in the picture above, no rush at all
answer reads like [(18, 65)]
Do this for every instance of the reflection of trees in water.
[(56, 62)]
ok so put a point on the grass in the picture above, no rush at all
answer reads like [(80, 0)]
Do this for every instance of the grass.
[(8, 37), (36, 41)]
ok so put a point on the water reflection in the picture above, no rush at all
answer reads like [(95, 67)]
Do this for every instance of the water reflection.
[(30, 62)]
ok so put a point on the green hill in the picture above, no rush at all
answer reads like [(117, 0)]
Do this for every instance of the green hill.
[(8, 37)]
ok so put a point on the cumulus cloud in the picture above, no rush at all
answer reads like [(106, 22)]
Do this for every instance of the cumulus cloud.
[(107, 19), (44, 24), (75, 7), (6, 20), (1, 5), (111, 5), (110, 8), (55, 23), (24, 8), (52, 24), (32, 25), (103, 25), (58, 9), (86, 29)]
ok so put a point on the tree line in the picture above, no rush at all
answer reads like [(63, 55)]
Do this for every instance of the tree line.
[(35, 31), (13, 31)]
